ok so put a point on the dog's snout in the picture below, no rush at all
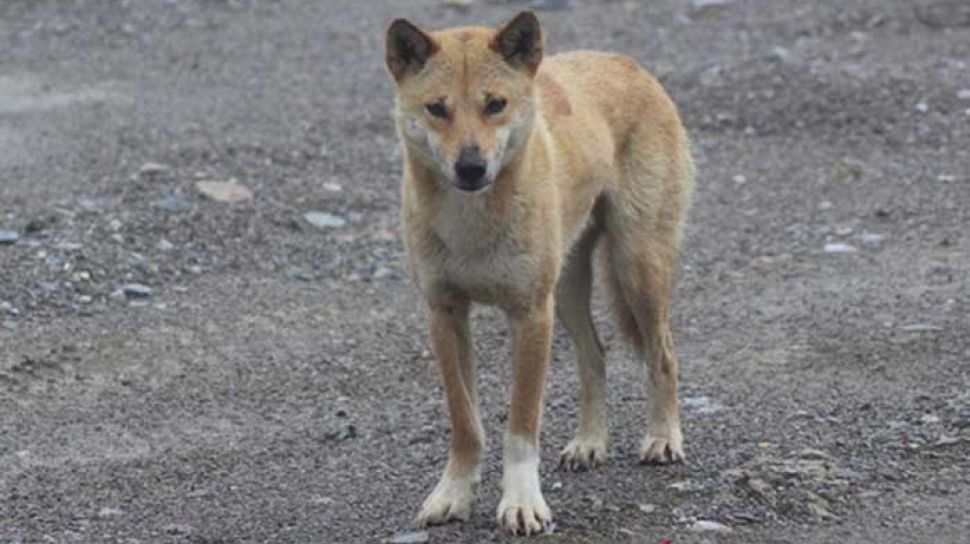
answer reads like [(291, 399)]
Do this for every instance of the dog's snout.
[(470, 168)]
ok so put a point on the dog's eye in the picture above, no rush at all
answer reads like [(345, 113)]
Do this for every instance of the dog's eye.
[(495, 106), (437, 109)]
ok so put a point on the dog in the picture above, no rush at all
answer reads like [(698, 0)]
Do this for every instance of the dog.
[(516, 167)]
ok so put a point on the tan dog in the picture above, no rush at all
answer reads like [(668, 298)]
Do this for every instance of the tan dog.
[(515, 169)]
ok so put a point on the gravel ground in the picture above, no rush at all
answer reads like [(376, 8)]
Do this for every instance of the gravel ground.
[(178, 369)]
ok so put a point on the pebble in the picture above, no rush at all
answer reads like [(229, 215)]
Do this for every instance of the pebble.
[(460, 5), (839, 248), (706, 525), (108, 512), (552, 5), (702, 404), (922, 107), (556, 486), (814, 455), (870, 239), (164, 245), (820, 511), (700, 6), (947, 440), (224, 191), (173, 203), (416, 537), (929, 419), (963, 94), (324, 220), (779, 54), (179, 529), (920, 327), (8, 308), (8, 237), (152, 169), (332, 187), (647, 508), (136, 290)]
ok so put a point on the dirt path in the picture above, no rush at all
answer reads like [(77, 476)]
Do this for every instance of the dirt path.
[(275, 384)]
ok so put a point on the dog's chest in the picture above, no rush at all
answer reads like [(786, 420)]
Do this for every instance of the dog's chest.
[(480, 257)]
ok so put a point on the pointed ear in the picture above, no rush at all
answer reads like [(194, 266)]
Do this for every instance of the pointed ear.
[(519, 41), (407, 48)]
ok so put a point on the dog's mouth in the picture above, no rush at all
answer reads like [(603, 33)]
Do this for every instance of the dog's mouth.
[(471, 187)]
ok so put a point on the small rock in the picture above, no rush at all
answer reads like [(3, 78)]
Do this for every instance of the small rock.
[(647, 508), (870, 239), (839, 248), (224, 191), (820, 511), (332, 187), (825, 205), (458, 5), (929, 419), (556, 486), (739, 179), (136, 290), (150, 169), (947, 440), (8, 237), (164, 245), (922, 106), (107, 512), (963, 94), (685, 486), (759, 488), (779, 54), (8, 308), (706, 525), (702, 404), (324, 220), (814, 455), (416, 537), (179, 529), (173, 203), (920, 327), (552, 5), (946, 178), (698, 7)]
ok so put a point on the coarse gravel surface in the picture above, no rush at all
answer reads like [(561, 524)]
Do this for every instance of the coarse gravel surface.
[(175, 368)]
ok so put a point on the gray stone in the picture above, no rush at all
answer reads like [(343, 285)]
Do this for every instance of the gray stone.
[(839, 248), (173, 203), (709, 526), (224, 191), (324, 220), (8, 237), (136, 290), (920, 327), (415, 537)]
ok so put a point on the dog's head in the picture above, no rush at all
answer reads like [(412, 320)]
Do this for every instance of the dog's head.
[(465, 102)]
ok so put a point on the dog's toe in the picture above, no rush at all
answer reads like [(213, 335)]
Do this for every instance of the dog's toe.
[(661, 451), (582, 454)]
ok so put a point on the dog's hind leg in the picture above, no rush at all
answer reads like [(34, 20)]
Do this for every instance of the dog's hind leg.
[(588, 449)]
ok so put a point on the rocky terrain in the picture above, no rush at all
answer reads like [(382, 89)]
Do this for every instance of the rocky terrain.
[(207, 333)]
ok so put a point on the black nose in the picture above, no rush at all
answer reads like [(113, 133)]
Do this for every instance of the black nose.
[(470, 168)]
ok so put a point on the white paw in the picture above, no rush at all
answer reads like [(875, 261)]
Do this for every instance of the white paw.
[(451, 500), (524, 512), (583, 454), (661, 448)]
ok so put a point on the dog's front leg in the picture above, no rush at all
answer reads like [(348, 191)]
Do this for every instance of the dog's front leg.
[(452, 498), (522, 509)]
